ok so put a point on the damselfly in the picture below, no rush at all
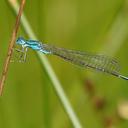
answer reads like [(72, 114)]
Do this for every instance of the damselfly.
[(83, 59)]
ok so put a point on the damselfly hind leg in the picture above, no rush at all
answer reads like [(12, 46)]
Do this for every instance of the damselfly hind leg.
[(21, 56)]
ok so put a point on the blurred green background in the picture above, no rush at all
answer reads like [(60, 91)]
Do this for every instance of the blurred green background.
[(98, 26)]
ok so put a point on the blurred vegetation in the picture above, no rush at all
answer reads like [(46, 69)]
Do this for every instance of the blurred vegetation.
[(29, 100)]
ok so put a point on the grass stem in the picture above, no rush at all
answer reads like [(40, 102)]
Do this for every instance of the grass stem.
[(11, 45)]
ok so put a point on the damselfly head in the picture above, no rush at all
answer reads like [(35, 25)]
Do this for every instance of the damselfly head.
[(21, 41)]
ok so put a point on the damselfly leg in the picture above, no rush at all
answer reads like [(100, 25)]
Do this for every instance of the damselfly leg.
[(21, 56)]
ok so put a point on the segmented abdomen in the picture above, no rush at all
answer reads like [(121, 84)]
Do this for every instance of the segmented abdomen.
[(84, 59)]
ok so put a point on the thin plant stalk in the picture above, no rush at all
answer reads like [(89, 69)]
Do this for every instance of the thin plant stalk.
[(11, 45)]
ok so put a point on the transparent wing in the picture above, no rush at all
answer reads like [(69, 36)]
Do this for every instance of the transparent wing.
[(83, 59)]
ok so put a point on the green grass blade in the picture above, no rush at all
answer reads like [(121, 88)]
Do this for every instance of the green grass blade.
[(56, 84)]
